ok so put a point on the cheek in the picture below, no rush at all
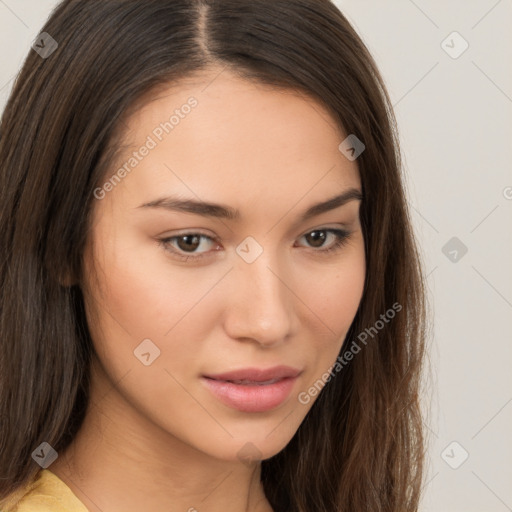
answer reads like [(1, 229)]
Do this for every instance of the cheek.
[(332, 295), (141, 292), (142, 296), (143, 307), (333, 291)]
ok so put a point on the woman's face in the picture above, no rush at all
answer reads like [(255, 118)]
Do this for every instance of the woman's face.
[(186, 293)]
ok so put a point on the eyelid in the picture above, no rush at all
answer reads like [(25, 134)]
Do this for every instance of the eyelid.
[(344, 226)]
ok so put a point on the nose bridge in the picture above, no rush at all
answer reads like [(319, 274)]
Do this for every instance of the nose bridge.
[(260, 307)]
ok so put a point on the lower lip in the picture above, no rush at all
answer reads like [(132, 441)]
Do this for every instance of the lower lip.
[(251, 398)]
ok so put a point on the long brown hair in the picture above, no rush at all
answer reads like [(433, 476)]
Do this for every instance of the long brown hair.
[(361, 446)]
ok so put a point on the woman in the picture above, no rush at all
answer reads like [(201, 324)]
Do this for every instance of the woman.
[(275, 364)]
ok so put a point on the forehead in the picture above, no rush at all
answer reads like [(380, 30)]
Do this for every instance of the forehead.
[(216, 135)]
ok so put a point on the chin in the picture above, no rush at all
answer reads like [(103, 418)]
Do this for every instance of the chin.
[(249, 443)]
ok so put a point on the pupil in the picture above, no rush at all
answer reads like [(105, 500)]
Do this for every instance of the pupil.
[(187, 238), (321, 238)]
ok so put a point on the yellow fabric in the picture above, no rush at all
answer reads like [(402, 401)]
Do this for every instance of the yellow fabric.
[(47, 493)]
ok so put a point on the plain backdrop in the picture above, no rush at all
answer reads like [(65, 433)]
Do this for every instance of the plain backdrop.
[(452, 95)]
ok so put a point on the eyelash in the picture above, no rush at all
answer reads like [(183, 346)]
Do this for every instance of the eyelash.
[(341, 235)]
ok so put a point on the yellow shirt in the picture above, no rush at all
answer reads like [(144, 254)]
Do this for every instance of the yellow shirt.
[(47, 493)]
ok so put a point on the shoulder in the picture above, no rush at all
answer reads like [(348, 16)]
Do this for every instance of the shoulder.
[(47, 493)]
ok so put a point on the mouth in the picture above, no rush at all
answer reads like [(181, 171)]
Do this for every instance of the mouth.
[(246, 382), (252, 389)]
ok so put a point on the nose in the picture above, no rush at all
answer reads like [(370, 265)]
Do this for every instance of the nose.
[(260, 305)]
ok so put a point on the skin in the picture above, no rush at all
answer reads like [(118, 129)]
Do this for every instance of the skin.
[(154, 437)]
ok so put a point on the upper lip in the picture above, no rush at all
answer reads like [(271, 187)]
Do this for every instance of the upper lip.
[(257, 374)]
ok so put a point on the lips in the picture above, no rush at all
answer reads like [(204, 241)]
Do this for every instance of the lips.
[(252, 389)]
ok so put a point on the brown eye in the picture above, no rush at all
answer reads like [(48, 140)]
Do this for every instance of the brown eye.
[(186, 242), (317, 238), (185, 246)]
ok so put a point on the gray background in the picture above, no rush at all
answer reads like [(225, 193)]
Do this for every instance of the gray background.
[(454, 114)]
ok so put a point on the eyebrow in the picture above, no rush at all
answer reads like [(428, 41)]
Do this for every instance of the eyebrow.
[(220, 211)]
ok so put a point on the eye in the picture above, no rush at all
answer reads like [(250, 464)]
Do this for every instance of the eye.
[(184, 246), (186, 242), (318, 237)]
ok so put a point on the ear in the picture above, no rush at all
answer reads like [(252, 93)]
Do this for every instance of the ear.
[(67, 279)]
